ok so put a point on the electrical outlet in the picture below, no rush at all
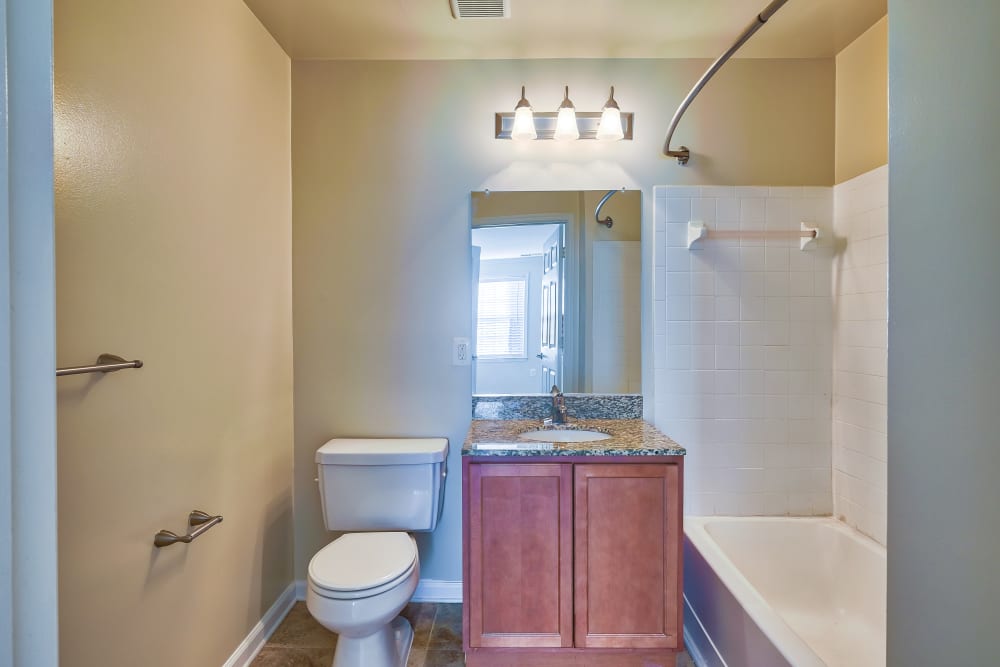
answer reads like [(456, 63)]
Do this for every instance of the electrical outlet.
[(461, 354)]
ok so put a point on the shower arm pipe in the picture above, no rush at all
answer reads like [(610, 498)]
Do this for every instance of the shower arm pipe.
[(683, 154), (608, 221)]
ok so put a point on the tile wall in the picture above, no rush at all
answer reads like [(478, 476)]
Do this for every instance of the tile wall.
[(743, 349), (860, 337)]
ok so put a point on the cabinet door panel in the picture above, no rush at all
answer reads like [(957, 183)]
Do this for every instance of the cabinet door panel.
[(627, 555), (520, 556)]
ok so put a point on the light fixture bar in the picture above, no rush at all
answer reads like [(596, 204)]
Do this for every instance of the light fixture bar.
[(545, 124)]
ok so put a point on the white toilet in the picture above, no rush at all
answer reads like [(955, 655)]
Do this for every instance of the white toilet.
[(360, 582)]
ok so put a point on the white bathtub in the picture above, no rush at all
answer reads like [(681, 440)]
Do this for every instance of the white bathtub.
[(769, 592)]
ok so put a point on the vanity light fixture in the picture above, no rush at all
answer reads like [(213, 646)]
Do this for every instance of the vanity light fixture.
[(566, 124), (566, 128), (524, 120), (610, 128)]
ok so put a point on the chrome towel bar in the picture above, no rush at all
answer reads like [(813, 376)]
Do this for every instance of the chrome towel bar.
[(106, 363), (203, 520)]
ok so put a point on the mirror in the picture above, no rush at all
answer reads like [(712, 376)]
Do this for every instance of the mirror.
[(556, 295)]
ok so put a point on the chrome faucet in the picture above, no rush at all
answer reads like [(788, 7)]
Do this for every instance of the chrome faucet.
[(559, 415)]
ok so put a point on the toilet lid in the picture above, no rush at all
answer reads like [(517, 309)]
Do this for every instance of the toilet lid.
[(357, 561)]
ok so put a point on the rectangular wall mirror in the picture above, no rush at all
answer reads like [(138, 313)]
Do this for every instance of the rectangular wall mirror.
[(556, 295)]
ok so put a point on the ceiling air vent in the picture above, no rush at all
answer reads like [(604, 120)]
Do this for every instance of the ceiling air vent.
[(480, 9)]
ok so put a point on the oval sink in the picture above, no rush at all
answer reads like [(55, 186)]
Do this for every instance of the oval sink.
[(560, 435)]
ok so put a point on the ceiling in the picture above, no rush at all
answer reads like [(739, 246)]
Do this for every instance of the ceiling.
[(425, 29), (512, 240)]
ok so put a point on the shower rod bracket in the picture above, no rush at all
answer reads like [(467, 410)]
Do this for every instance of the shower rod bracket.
[(683, 154), (608, 221)]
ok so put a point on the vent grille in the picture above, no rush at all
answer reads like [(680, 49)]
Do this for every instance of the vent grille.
[(480, 9)]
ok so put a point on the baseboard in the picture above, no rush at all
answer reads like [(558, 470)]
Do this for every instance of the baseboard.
[(699, 645), (254, 642), (428, 590), (438, 590)]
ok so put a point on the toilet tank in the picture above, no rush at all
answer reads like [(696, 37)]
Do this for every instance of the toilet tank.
[(376, 484)]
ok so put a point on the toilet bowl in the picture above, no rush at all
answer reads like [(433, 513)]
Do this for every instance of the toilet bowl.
[(357, 586)]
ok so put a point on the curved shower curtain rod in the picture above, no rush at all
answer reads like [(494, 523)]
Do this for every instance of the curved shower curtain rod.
[(608, 221), (683, 154)]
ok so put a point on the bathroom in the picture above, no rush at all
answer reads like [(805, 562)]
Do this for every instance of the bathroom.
[(284, 241)]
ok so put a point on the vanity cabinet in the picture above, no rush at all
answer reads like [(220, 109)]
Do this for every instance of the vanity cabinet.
[(572, 562)]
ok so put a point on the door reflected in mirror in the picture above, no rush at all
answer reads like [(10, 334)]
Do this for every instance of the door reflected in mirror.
[(556, 299)]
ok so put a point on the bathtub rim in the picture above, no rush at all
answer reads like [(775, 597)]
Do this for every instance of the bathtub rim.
[(789, 644)]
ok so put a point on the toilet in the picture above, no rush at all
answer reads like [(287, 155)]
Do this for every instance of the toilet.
[(378, 490)]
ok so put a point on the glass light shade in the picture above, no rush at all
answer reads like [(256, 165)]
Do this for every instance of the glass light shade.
[(566, 129), (610, 128), (524, 124)]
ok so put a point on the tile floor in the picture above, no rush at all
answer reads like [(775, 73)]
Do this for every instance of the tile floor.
[(437, 639)]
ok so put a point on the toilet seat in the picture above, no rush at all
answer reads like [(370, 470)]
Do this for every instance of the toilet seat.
[(359, 565)]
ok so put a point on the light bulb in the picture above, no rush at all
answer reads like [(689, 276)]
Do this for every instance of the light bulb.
[(524, 121), (566, 128), (610, 128)]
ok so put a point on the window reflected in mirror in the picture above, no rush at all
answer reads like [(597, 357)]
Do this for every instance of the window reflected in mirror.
[(556, 295)]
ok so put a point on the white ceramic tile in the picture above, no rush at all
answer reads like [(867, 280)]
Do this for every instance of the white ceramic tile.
[(752, 308), (727, 210), (727, 333), (703, 332), (678, 357), (677, 333), (727, 382), (718, 191), (776, 259), (727, 357), (678, 259), (703, 283), (781, 284), (688, 191), (777, 214), (703, 308), (752, 283), (704, 209), (727, 283), (776, 308), (678, 309), (751, 259), (746, 340), (675, 236), (678, 209), (678, 284), (751, 191), (727, 308), (703, 357)]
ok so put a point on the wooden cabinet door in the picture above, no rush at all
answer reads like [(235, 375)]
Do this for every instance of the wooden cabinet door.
[(520, 555), (627, 553)]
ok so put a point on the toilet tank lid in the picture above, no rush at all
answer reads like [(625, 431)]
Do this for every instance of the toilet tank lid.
[(382, 451)]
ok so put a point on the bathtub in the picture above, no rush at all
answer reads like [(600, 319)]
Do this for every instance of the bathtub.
[(771, 592)]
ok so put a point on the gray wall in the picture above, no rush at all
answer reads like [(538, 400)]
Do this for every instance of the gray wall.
[(944, 329)]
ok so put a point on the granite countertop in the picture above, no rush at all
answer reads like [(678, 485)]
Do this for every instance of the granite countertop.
[(629, 437)]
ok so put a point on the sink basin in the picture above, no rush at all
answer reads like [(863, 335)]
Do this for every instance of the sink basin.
[(560, 435)]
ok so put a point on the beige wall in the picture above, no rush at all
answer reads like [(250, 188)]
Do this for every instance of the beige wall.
[(384, 157), (862, 104), (173, 223)]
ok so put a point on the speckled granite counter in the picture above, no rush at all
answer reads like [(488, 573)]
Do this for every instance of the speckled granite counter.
[(629, 437)]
